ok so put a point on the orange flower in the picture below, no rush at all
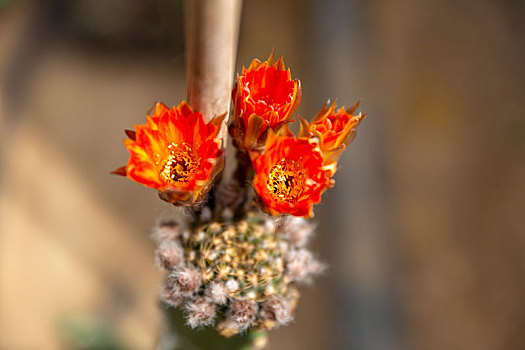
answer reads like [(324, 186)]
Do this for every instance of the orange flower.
[(290, 175), (175, 152), (265, 96), (334, 129)]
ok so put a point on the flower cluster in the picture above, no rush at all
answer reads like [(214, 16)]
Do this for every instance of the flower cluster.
[(178, 154), (291, 172), (231, 265)]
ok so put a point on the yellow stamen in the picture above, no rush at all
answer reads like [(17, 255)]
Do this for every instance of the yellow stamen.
[(286, 181), (180, 164)]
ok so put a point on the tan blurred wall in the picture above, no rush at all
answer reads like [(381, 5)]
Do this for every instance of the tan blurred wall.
[(446, 83), (458, 137)]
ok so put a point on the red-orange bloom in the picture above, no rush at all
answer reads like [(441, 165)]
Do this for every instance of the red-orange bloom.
[(290, 175), (264, 96), (175, 152), (335, 129)]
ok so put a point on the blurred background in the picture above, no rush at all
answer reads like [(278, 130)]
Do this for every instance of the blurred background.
[(424, 234)]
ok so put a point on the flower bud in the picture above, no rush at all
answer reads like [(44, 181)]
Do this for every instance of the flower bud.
[(297, 230), (301, 265), (275, 312), (217, 292), (172, 297), (186, 279), (169, 254), (200, 312), (167, 230), (243, 311), (264, 97)]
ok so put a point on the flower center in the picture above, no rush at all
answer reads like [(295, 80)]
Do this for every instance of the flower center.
[(286, 180), (180, 164)]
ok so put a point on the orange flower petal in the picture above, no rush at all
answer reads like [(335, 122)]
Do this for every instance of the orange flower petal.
[(335, 127), (175, 152), (290, 177), (334, 130), (266, 90)]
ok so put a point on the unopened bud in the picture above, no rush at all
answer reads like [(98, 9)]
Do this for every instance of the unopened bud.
[(217, 292), (167, 230), (243, 312), (169, 254), (275, 310), (201, 312), (187, 279), (172, 297), (316, 267), (297, 230), (298, 265)]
